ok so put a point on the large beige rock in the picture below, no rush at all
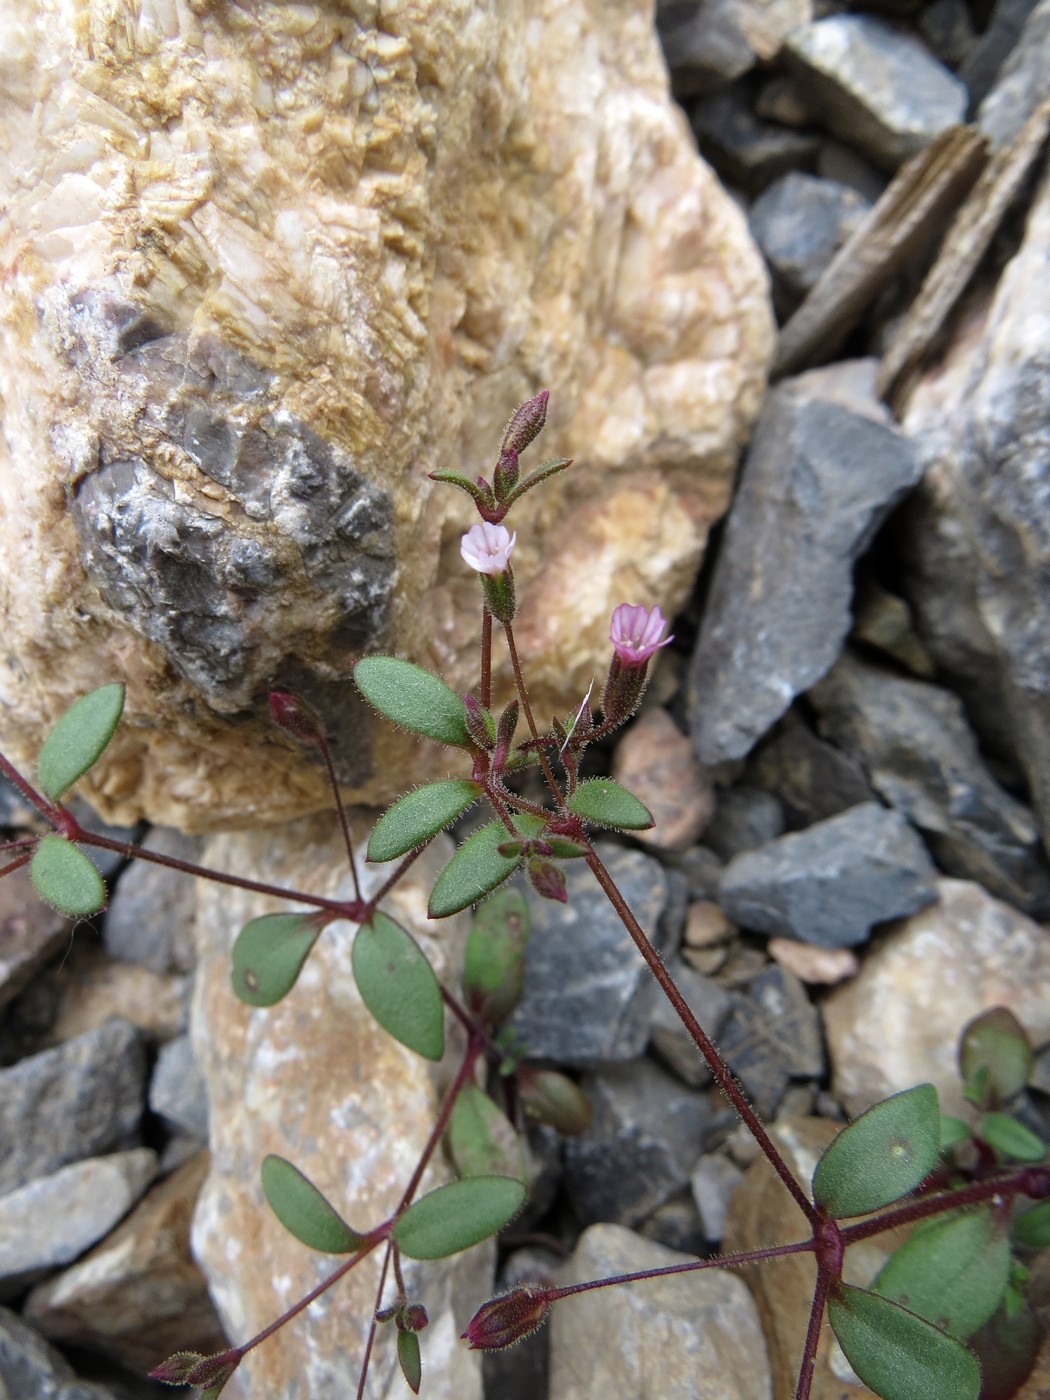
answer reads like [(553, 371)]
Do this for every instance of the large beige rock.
[(263, 270), (317, 1081)]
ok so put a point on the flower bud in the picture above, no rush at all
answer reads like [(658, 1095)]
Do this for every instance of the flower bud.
[(500, 596), (296, 717), (526, 423), (508, 1319), (547, 879), (554, 1099)]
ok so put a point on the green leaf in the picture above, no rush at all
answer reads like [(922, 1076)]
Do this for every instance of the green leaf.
[(605, 802), (900, 1356), (882, 1156), (952, 1270), (398, 986), (1032, 1227), (268, 956), (303, 1211), (995, 1057), (953, 1131), (477, 867), (481, 1140), (78, 739), (409, 1359), (458, 1215), (494, 962), (1010, 1138), (413, 698), (63, 875), (419, 815)]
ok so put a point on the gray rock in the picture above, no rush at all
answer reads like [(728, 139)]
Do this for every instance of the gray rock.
[(999, 40), (30, 1369), (583, 976), (50, 1221), (1021, 82), (694, 1335), (813, 779), (702, 870), (709, 1003), (800, 222), (30, 931), (643, 1141), (676, 1224), (947, 29), (832, 882), (819, 479), (177, 1090), (771, 1036), (977, 548), (713, 1183), (744, 150), (745, 818), (921, 756), (709, 44), (80, 1100), (150, 916), (879, 88)]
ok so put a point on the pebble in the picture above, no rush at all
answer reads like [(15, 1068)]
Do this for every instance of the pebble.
[(150, 917), (671, 1041), (800, 222), (30, 932), (820, 966), (177, 1091), (655, 761)]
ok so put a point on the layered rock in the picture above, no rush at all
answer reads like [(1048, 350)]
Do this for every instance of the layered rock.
[(263, 272)]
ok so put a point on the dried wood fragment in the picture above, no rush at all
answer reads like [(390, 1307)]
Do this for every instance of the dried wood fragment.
[(964, 245), (905, 221)]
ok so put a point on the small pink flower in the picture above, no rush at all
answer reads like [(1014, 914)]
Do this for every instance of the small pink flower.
[(487, 547), (636, 633)]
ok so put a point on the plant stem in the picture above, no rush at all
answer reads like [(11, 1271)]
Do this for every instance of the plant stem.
[(15, 864), (391, 880), (780, 1251), (41, 803), (1028, 1181), (486, 658), (719, 1069), (326, 754), (519, 681), (372, 1327), (475, 1046), (816, 1321)]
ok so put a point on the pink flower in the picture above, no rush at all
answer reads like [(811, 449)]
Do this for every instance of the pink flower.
[(636, 633), (487, 547)]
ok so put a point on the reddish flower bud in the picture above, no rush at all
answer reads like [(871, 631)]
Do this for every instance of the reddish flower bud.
[(414, 1318), (296, 717), (480, 725), (204, 1372), (526, 423), (547, 880), (508, 1319)]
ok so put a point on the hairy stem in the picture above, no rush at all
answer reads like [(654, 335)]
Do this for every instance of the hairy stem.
[(519, 681)]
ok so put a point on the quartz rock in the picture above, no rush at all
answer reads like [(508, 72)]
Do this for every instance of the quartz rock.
[(682, 1337), (316, 1080), (879, 88), (897, 1023), (266, 270), (53, 1219), (138, 1296), (823, 470), (830, 883), (92, 988), (976, 547)]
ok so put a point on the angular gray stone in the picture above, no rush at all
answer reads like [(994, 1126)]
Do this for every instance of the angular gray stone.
[(30, 931), (813, 779), (800, 222), (643, 1141), (150, 916), (977, 546), (921, 756), (713, 1183), (50, 1221), (694, 1336), (708, 44), (582, 1002), (1005, 31), (31, 1369), (744, 150), (771, 1036), (819, 479), (709, 1003), (878, 88), (177, 1090), (1021, 82), (832, 882), (80, 1100), (745, 818)]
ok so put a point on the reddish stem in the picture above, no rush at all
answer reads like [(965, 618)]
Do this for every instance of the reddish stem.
[(326, 754), (41, 803), (16, 864), (519, 681), (780, 1251), (370, 1341), (486, 658), (816, 1321)]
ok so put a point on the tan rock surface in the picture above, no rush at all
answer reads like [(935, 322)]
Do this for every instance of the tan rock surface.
[(316, 1080), (265, 269)]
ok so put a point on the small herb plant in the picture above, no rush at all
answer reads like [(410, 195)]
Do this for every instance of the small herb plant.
[(961, 1186)]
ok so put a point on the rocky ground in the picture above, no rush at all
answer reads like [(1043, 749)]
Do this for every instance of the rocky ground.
[(847, 752)]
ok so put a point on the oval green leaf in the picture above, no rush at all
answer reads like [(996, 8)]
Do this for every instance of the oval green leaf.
[(494, 962), (605, 802), (78, 739), (458, 1215), (477, 867), (953, 1132), (1032, 1227), (268, 956), (398, 986), (304, 1211), (409, 1360), (1010, 1138), (419, 815), (63, 875), (952, 1270), (900, 1356), (995, 1057), (882, 1156), (481, 1139), (413, 698)]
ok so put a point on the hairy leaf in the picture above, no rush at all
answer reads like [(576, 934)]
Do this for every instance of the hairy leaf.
[(607, 803), (882, 1156), (268, 956), (398, 986), (413, 698), (419, 815), (899, 1355), (63, 875), (304, 1211), (480, 1138), (1010, 1138), (78, 739), (458, 1215), (409, 1360), (477, 867)]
